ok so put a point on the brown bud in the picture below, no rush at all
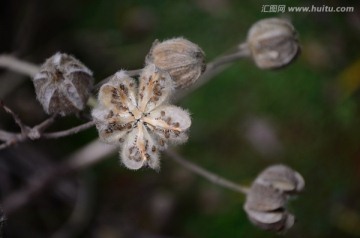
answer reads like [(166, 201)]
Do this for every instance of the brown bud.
[(273, 43), (266, 200), (63, 85), (184, 60)]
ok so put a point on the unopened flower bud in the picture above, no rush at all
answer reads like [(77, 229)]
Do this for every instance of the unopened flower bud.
[(63, 85), (266, 200), (184, 60), (273, 43)]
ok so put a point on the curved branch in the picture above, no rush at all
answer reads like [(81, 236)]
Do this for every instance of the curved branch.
[(71, 131), (214, 178), (35, 132), (6, 145), (215, 67), (16, 118)]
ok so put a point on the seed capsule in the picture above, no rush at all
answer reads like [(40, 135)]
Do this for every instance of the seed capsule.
[(266, 200), (184, 60), (63, 85), (273, 43)]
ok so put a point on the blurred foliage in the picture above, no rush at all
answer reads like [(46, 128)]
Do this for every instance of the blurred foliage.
[(315, 123)]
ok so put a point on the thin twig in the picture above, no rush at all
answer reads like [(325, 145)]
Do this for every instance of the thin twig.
[(213, 68), (35, 132), (9, 138), (20, 66), (214, 178), (6, 145), (71, 131), (45, 124), (243, 51), (12, 138), (6, 136), (16, 118)]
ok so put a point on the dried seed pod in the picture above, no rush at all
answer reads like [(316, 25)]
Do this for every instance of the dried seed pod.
[(282, 178), (138, 118), (63, 85), (255, 198), (273, 43), (184, 60), (266, 200)]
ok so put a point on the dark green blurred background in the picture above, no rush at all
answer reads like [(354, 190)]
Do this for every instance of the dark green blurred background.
[(305, 115)]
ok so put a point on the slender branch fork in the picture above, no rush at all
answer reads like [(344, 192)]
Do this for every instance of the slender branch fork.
[(96, 151), (36, 132)]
